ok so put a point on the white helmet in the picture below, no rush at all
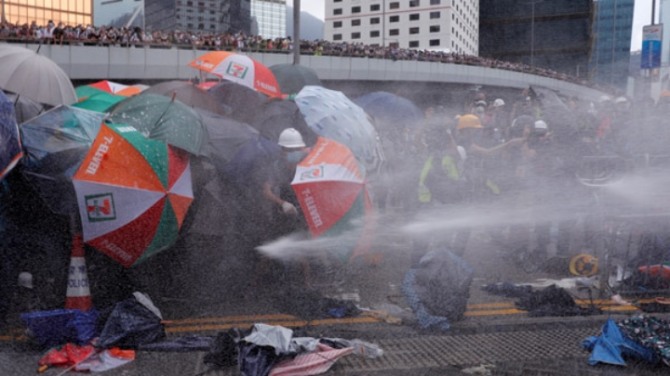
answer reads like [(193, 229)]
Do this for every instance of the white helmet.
[(291, 138)]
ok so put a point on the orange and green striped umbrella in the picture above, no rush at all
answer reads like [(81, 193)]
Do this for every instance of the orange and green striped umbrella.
[(133, 194)]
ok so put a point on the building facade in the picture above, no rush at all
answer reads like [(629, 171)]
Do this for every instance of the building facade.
[(72, 12), (444, 25), (208, 16), (268, 18), (612, 30), (540, 33)]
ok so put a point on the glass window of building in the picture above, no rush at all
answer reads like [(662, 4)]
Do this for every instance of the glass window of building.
[(434, 15), (337, 24), (394, 32), (435, 28), (394, 19), (394, 5), (434, 42), (414, 44), (356, 35), (374, 21), (356, 22), (374, 7), (337, 11), (72, 12), (413, 30), (374, 34), (355, 9), (337, 36), (414, 3), (435, 2), (414, 17)]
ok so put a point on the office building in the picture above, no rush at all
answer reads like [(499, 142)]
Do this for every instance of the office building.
[(546, 34), (612, 30), (210, 16), (72, 12), (268, 18), (444, 25)]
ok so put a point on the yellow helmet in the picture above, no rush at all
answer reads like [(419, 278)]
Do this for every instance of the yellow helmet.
[(584, 265), (469, 121)]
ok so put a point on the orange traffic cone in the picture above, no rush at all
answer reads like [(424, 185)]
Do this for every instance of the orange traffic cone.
[(78, 292)]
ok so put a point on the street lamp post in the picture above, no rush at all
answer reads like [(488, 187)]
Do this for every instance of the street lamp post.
[(296, 32), (532, 31)]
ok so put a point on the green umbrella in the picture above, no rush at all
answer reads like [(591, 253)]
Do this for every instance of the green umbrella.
[(85, 91), (99, 102), (163, 118)]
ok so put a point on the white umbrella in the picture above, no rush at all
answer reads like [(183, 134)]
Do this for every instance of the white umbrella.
[(331, 114), (33, 76)]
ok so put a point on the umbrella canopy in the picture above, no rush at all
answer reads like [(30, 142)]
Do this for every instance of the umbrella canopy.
[(243, 101), (117, 88), (56, 143), (10, 142), (330, 187), (239, 68), (36, 77), (331, 114), (190, 94), (133, 194), (99, 102), (292, 78), (390, 111), (24, 108), (162, 118), (226, 138)]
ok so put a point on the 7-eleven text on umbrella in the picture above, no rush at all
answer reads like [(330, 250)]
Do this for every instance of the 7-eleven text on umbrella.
[(99, 153)]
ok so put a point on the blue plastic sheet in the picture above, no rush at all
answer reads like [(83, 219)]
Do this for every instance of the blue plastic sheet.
[(612, 347), (56, 327)]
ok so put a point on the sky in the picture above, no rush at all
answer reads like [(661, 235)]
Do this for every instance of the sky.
[(642, 16)]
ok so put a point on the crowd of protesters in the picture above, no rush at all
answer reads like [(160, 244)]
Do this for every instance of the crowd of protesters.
[(539, 159), (135, 36)]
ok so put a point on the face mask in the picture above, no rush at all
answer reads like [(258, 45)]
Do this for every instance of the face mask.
[(295, 156)]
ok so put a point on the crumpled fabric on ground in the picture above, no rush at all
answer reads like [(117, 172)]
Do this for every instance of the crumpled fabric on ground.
[(550, 301), (649, 331), (612, 346), (310, 363)]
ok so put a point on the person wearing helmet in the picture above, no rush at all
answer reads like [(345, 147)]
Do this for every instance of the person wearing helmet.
[(277, 188)]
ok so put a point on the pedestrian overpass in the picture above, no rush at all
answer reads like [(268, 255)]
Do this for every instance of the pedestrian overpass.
[(156, 64)]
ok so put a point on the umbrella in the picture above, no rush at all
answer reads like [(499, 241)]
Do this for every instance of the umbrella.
[(292, 77), (189, 94), (161, 118), (24, 108), (239, 68), (117, 88), (243, 101), (36, 77), (226, 138), (133, 194), (273, 117), (56, 143), (10, 142), (331, 114), (390, 111), (99, 102), (330, 187)]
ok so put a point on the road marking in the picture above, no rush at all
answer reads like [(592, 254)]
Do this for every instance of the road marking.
[(288, 324)]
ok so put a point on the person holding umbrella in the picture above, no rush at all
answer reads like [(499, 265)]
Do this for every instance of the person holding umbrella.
[(277, 187)]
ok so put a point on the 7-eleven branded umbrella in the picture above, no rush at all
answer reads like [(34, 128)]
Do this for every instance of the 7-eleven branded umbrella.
[(330, 187), (239, 68), (133, 194)]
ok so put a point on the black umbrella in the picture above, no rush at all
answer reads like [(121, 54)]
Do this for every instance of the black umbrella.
[(292, 78), (191, 95), (244, 102)]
